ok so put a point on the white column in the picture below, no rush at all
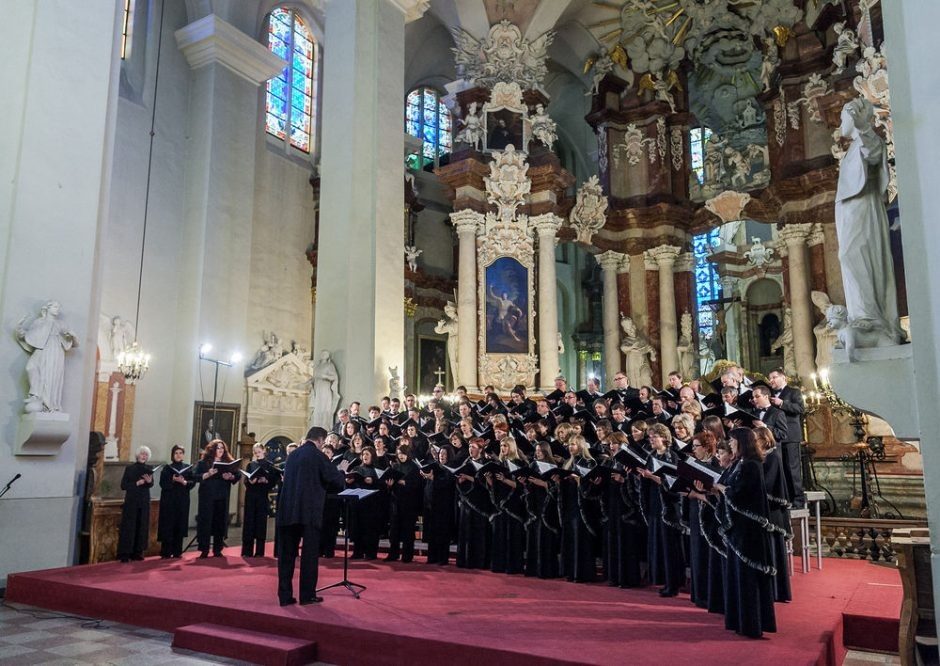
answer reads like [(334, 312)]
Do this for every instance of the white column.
[(360, 287), (665, 258), (795, 236), (546, 227), (611, 263), (57, 123), (467, 223), (910, 34)]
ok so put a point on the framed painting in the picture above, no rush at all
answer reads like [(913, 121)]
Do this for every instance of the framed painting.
[(504, 127), (211, 423), (507, 307)]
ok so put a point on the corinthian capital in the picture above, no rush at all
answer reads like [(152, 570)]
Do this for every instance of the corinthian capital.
[(664, 255), (467, 221), (545, 225), (795, 234), (612, 261)]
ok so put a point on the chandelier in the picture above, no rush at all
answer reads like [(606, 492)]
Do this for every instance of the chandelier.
[(133, 362)]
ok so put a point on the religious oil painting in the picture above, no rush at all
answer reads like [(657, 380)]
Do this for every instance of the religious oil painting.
[(504, 127), (432, 363), (220, 422), (507, 307)]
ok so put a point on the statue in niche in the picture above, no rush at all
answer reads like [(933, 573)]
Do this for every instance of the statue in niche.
[(543, 127), (46, 339), (862, 230), (120, 337), (411, 257), (826, 335), (846, 46), (639, 352), (394, 383), (324, 392), (472, 132), (448, 327), (785, 342), (269, 351), (686, 347)]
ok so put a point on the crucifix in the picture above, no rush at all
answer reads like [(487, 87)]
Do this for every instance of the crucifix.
[(440, 375)]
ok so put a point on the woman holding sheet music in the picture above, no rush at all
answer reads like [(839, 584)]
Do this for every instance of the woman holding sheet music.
[(779, 506), (261, 478), (366, 516), (701, 553), (542, 525), (175, 484), (577, 535), (476, 509), (508, 553), (407, 493), (439, 511), (216, 473), (625, 533), (135, 514)]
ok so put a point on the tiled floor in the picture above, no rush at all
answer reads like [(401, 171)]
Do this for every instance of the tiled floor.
[(859, 658)]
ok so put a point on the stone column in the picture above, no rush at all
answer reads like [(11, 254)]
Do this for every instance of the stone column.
[(611, 263), (467, 223), (546, 226), (665, 257), (795, 236), (360, 292)]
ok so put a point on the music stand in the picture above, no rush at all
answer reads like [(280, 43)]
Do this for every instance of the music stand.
[(347, 497)]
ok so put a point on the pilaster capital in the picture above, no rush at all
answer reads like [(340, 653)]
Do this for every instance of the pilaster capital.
[(467, 221), (211, 40), (685, 263), (413, 9), (664, 255), (616, 262), (817, 236), (795, 235), (545, 226)]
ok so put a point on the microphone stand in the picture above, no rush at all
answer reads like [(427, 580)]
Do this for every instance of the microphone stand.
[(6, 488)]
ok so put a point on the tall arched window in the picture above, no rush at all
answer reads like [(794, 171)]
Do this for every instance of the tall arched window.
[(427, 118), (699, 137), (290, 100), (707, 284)]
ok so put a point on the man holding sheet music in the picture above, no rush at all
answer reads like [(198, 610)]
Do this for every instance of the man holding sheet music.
[(308, 476)]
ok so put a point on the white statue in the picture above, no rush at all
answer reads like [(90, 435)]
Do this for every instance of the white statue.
[(826, 335), (769, 63), (46, 339), (120, 337), (706, 355), (759, 255), (845, 47), (862, 229), (472, 132), (324, 392), (739, 165), (269, 351), (394, 383), (603, 63), (561, 344), (449, 328), (543, 127), (686, 347), (589, 213), (639, 353), (411, 256), (785, 342)]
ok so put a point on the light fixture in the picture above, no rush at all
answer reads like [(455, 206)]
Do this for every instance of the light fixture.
[(133, 362), (205, 348), (236, 358)]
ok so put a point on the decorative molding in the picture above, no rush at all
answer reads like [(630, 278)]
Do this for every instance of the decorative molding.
[(728, 206), (507, 185), (211, 40), (759, 255), (412, 9), (780, 118), (814, 88), (635, 144), (602, 148), (677, 147), (504, 55), (589, 214)]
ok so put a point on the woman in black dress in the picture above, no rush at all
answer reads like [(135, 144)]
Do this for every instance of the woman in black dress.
[(476, 510), (366, 514), (261, 479), (407, 494), (749, 574), (542, 526), (508, 552), (215, 489), (701, 554), (439, 510), (135, 514), (665, 529), (577, 535), (625, 525), (175, 485), (779, 504)]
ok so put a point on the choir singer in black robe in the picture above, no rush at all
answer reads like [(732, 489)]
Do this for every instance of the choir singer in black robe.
[(135, 514), (476, 511), (308, 476), (175, 485), (215, 488), (263, 478)]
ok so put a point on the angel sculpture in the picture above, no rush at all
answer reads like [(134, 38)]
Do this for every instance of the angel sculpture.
[(785, 342), (449, 327), (845, 47), (120, 337), (269, 351), (603, 64), (827, 335), (45, 338), (411, 256), (660, 87), (472, 132), (543, 127), (769, 63)]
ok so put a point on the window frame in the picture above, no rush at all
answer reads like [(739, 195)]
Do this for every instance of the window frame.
[(422, 90)]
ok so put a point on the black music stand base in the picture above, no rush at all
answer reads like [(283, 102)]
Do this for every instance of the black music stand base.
[(348, 584)]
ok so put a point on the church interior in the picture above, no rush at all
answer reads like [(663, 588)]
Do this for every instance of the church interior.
[(241, 216)]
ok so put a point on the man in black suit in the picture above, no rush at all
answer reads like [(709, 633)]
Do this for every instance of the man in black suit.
[(768, 415), (790, 401), (308, 476)]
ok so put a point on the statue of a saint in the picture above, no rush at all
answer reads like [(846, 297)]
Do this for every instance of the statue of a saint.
[(639, 354), (862, 229), (686, 348), (120, 337), (46, 339), (472, 132), (449, 328), (543, 127), (324, 392), (826, 335), (785, 342)]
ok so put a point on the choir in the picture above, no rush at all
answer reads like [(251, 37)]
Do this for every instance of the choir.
[(634, 487)]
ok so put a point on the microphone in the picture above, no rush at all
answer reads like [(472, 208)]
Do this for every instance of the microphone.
[(6, 488), (14, 479)]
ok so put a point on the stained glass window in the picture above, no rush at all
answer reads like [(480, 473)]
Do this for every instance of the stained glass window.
[(707, 285), (699, 138), (291, 96), (427, 118), (127, 26)]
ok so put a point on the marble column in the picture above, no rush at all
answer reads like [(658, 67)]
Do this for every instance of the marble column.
[(611, 263), (546, 227), (665, 257), (55, 192), (467, 224), (360, 315), (801, 308)]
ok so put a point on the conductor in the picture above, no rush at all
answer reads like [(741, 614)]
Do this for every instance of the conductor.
[(308, 475)]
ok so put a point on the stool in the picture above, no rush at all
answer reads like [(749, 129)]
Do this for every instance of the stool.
[(803, 516), (817, 497)]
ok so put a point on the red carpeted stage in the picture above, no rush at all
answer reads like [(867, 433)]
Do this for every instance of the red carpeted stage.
[(427, 614)]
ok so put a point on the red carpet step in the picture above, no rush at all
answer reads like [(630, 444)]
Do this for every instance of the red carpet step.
[(872, 618), (253, 646)]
